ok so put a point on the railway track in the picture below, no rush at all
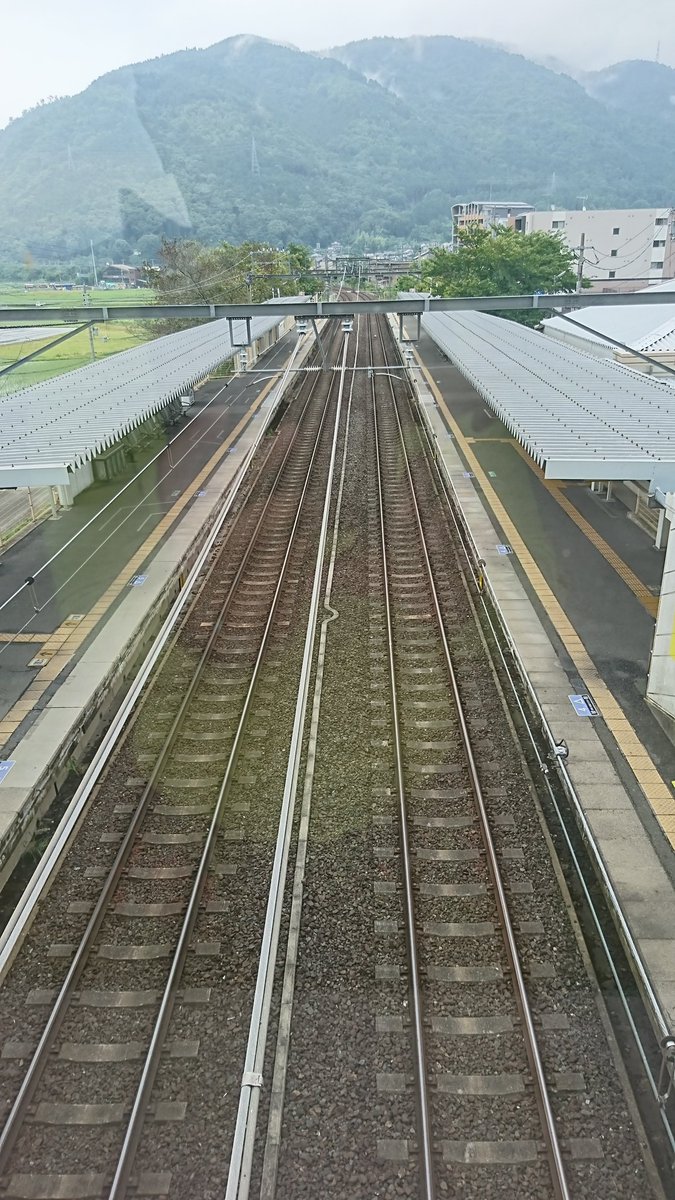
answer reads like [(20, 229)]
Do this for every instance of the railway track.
[(432, 1029), (189, 787), (451, 871), (436, 1021)]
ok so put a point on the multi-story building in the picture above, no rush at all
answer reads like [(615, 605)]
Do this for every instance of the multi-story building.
[(632, 246), (487, 212)]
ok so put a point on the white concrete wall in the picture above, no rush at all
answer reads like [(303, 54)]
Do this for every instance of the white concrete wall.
[(263, 343), (634, 244), (81, 478), (578, 341), (661, 678)]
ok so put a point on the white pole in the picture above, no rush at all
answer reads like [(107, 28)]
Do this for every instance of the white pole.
[(93, 262)]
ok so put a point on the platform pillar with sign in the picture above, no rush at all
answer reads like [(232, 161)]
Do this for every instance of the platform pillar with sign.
[(661, 678), (65, 496)]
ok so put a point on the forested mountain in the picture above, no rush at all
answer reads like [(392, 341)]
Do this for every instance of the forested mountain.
[(646, 89), (516, 128), (249, 139)]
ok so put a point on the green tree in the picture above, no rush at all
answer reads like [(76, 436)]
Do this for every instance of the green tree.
[(500, 262), (300, 261), (190, 273)]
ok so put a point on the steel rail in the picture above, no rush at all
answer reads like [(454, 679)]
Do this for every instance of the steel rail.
[(241, 1155), (136, 1121), (557, 1167), (499, 630), (40, 1058), (657, 1016), (415, 991), (277, 1093)]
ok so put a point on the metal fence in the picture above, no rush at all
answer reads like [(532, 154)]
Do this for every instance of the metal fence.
[(21, 508)]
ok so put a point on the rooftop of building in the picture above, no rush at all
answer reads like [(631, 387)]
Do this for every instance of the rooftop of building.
[(649, 329)]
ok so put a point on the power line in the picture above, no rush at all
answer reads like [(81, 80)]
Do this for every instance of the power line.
[(651, 226), (630, 262)]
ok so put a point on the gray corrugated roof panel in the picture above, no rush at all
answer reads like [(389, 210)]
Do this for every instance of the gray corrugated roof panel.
[(579, 417), (640, 327), (32, 333), (53, 427)]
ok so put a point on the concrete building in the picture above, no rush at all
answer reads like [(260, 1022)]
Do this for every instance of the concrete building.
[(623, 248), (487, 212)]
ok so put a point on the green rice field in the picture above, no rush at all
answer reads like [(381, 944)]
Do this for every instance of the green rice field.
[(109, 338)]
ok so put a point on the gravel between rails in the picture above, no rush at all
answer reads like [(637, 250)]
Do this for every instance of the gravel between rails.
[(349, 1118)]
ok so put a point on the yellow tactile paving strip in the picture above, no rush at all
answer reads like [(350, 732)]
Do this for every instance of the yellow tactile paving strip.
[(61, 645), (555, 488), (656, 791), (637, 587), (24, 637)]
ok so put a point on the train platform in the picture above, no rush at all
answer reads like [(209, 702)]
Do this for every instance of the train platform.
[(108, 526), (578, 585), (60, 685)]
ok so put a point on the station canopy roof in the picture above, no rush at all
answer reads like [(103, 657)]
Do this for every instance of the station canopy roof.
[(651, 330), (579, 416), (31, 333), (54, 427)]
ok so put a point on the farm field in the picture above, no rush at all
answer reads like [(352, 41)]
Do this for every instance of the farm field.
[(76, 352), (17, 293)]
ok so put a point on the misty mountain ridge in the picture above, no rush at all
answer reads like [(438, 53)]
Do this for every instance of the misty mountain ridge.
[(646, 89), (254, 139)]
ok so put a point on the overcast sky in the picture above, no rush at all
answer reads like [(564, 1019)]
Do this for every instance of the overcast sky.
[(56, 47)]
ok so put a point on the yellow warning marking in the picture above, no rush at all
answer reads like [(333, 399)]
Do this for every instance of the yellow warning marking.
[(61, 645), (555, 488), (652, 785), (24, 637)]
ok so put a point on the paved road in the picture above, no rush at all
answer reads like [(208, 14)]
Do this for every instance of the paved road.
[(612, 623)]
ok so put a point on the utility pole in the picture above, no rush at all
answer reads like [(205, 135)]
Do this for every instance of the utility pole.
[(85, 301), (93, 262), (580, 264), (255, 165)]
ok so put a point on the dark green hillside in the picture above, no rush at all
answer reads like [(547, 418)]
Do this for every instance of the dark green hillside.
[(516, 127), (644, 89), (166, 146), (376, 138)]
